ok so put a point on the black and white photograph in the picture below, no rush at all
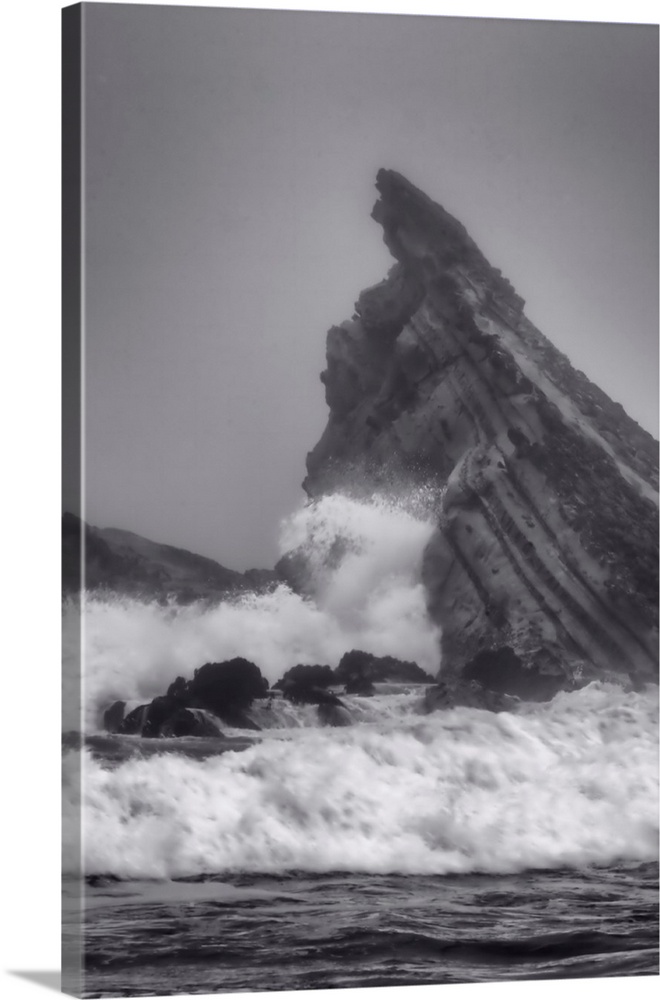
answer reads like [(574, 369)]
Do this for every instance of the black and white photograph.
[(360, 500)]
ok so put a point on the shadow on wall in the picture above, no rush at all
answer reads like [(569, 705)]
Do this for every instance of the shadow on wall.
[(49, 979)]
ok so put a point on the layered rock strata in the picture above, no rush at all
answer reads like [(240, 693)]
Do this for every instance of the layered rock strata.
[(543, 570)]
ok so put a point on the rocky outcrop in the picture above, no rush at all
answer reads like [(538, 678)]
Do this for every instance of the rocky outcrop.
[(356, 666), (190, 722), (301, 693), (113, 717), (227, 689), (216, 692), (162, 718), (307, 675), (545, 556), (126, 563), (334, 715)]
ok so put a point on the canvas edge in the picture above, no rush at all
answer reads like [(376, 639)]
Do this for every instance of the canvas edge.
[(72, 485)]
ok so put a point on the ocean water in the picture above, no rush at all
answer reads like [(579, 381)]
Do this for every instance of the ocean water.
[(462, 846), (299, 930)]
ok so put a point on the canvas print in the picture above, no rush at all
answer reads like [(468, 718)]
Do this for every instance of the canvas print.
[(360, 529)]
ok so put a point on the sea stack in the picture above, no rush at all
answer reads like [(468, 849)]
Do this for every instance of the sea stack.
[(543, 569)]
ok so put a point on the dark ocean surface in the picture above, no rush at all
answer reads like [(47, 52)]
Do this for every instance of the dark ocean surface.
[(400, 850), (303, 931)]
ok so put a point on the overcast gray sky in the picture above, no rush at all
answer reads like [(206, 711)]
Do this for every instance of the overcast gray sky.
[(230, 163)]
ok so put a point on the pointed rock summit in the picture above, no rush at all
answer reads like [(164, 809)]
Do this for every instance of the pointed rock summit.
[(543, 570)]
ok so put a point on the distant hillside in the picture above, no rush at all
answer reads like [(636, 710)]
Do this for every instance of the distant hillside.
[(126, 563)]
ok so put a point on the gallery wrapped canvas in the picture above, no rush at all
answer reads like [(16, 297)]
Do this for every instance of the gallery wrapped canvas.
[(360, 673)]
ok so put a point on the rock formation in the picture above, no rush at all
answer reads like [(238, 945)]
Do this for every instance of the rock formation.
[(314, 675), (543, 570), (126, 563), (217, 692), (357, 665)]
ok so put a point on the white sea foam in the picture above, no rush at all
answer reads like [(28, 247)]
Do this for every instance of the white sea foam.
[(280, 715), (573, 782), (370, 598)]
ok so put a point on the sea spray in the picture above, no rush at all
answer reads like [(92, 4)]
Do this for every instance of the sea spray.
[(572, 782), (569, 783), (281, 715), (368, 595)]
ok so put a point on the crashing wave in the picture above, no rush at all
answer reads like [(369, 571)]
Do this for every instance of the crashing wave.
[(572, 782)]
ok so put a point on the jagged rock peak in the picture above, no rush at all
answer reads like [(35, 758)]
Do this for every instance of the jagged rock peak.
[(414, 226), (545, 554)]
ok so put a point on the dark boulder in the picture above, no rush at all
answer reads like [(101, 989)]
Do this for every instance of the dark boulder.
[(190, 722), (114, 716), (224, 689), (309, 675), (389, 668), (359, 685), (239, 719), (101, 881), (134, 722), (334, 715), (358, 665), (307, 694), (160, 710), (227, 689), (178, 690), (147, 720), (501, 670)]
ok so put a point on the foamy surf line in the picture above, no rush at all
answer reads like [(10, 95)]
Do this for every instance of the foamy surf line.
[(570, 783), (363, 560)]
